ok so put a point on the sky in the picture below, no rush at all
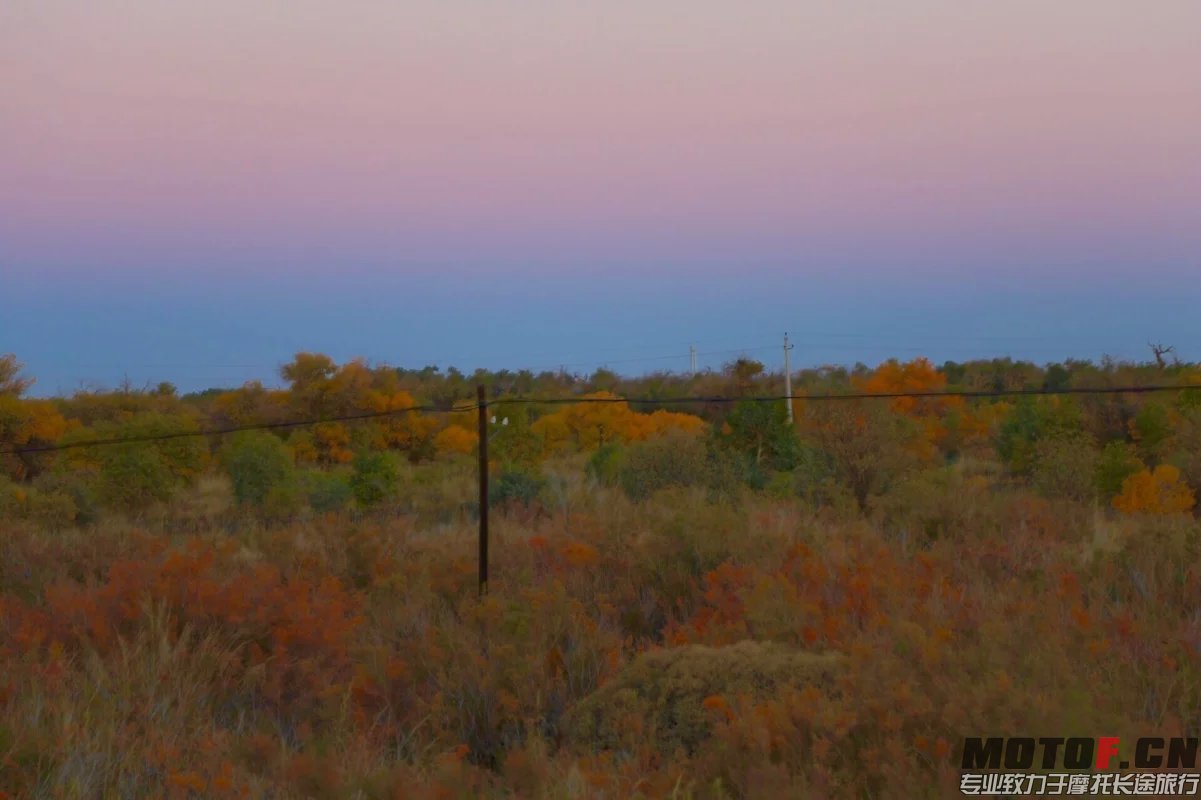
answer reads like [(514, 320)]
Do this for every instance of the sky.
[(194, 191)]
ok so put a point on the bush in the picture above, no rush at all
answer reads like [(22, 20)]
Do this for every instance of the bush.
[(605, 464), (813, 472), (662, 693), (1158, 491), (132, 477), (257, 462), (52, 510), (762, 431), (1031, 420), (283, 502), (867, 446), (78, 488), (326, 491), (375, 478), (1065, 465), (10, 501), (1188, 445), (1152, 428), (515, 485), (1118, 461), (934, 504), (674, 459)]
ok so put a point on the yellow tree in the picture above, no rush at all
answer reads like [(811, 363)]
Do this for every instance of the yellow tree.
[(309, 376), (604, 420), (930, 413), (24, 423), (27, 423), (456, 439), (252, 404), (401, 428), (600, 418), (11, 381), (641, 427), (1158, 491)]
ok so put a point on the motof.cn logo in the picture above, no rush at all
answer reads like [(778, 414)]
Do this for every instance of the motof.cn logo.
[(1076, 753)]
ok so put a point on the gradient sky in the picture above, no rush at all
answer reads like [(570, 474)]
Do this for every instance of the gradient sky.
[(192, 192)]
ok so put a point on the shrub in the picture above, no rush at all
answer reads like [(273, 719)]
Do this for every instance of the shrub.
[(674, 459), (933, 504), (257, 462), (515, 485), (283, 502), (1188, 445), (326, 491), (1152, 429), (1158, 491), (132, 477), (867, 446), (1118, 461), (10, 503), (1065, 465), (52, 510), (661, 695), (605, 464), (762, 431), (78, 488), (375, 478), (1031, 420), (455, 439)]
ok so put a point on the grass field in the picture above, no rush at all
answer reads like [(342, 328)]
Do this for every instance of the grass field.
[(662, 620)]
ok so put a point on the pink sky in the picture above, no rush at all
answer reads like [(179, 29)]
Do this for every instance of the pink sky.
[(469, 131), (413, 181)]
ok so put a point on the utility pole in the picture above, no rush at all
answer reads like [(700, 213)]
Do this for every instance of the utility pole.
[(692, 358), (788, 378), (482, 401)]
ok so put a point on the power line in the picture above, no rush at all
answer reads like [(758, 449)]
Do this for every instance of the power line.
[(161, 437), (552, 401), (966, 393)]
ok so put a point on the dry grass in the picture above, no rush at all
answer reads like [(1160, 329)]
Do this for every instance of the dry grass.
[(681, 647)]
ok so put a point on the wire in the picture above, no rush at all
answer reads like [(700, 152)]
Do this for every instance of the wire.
[(716, 399), (224, 431), (1097, 390)]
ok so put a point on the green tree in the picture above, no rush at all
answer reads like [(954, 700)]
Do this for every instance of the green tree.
[(76, 485), (134, 477), (867, 446), (516, 485), (52, 510), (161, 457), (374, 478), (514, 443), (257, 463), (1065, 465), (327, 491), (1118, 461), (1152, 429), (674, 459), (762, 432), (1032, 420), (1187, 455)]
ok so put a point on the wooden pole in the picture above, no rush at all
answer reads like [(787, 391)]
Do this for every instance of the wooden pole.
[(482, 401)]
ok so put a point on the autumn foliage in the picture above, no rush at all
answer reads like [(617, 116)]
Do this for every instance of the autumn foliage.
[(693, 601), (1158, 491)]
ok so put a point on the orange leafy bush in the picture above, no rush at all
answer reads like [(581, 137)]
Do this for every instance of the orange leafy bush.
[(1158, 491)]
